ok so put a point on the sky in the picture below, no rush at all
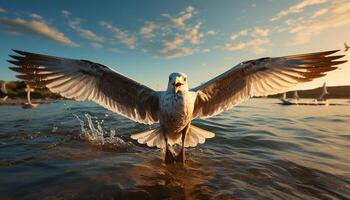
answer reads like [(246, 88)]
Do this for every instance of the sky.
[(148, 40)]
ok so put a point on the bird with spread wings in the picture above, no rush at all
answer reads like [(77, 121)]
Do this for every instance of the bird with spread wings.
[(175, 108)]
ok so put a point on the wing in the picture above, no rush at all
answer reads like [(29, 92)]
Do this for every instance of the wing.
[(85, 80), (261, 77)]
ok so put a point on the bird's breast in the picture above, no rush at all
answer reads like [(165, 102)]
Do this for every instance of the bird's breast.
[(176, 111)]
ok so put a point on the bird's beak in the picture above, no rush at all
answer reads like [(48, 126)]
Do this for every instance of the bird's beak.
[(177, 84)]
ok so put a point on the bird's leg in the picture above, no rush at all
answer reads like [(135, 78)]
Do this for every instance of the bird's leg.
[(181, 156), (169, 154)]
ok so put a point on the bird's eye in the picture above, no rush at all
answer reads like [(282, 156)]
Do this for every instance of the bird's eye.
[(169, 78), (185, 79)]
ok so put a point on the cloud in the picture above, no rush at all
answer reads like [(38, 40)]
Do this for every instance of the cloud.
[(259, 32), (37, 28), (232, 47), (36, 16), (2, 10), (65, 13), (234, 36), (212, 32), (85, 33), (173, 35), (146, 31), (173, 44), (338, 15), (96, 45), (122, 36), (193, 34), (320, 12), (257, 37), (183, 34), (184, 15), (179, 52), (297, 8), (174, 49)]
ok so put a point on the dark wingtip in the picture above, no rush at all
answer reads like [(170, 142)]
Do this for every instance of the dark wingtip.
[(339, 62), (12, 62), (18, 51), (16, 57), (335, 57), (333, 51), (15, 69)]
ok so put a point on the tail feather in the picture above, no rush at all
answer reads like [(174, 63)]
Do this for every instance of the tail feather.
[(197, 135), (153, 137)]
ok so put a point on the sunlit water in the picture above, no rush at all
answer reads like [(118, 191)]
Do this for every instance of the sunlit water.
[(262, 150)]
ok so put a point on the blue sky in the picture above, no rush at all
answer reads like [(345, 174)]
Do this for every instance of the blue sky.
[(147, 40)]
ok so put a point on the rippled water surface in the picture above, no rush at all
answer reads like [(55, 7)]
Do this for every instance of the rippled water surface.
[(262, 150)]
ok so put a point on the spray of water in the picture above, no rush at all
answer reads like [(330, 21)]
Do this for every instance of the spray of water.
[(92, 131)]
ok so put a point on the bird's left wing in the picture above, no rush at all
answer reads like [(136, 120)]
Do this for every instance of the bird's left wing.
[(86, 80), (261, 77)]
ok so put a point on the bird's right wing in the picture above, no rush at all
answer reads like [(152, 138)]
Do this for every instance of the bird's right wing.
[(86, 80), (260, 77)]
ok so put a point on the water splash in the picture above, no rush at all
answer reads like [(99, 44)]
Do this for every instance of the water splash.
[(92, 131)]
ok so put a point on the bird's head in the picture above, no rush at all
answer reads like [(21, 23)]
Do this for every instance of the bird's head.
[(177, 83)]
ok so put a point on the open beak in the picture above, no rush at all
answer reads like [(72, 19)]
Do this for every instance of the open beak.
[(177, 84)]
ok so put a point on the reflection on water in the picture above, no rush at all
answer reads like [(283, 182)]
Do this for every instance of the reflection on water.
[(262, 150)]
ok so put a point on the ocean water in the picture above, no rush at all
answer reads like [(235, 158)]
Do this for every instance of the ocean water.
[(262, 150)]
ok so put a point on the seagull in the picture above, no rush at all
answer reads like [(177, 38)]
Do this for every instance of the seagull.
[(29, 104), (346, 47), (175, 108), (4, 91)]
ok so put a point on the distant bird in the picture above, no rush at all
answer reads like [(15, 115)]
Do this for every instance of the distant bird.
[(4, 91), (346, 47), (177, 106), (324, 93), (29, 104), (3, 87), (295, 95)]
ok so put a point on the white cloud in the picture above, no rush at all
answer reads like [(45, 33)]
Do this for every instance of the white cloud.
[(173, 48), (259, 32), (36, 16), (257, 37), (234, 36), (194, 35), (122, 36), (232, 47), (65, 13), (297, 8), (146, 31), (37, 28), (85, 33), (173, 44), (96, 45), (212, 32), (338, 15), (177, 35), (320, 12), (184, 15), (2, 10)]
